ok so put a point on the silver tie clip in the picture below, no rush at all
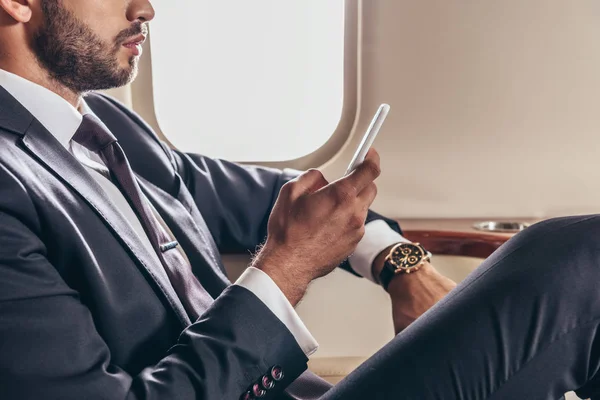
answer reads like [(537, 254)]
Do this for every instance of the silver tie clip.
[(168, 246)]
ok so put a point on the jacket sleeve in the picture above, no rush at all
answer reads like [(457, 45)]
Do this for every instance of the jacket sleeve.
[(236, 200), (50, 349)]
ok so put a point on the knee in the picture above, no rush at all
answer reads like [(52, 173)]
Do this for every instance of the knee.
[(556, 235), (561, 251)]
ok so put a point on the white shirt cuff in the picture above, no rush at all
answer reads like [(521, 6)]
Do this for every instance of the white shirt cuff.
[(269, 293), (378, 236)]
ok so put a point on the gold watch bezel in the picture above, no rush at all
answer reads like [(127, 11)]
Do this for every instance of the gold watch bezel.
[(425, 257)]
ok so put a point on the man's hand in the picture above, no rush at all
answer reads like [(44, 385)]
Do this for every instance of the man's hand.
[(315, 225), (413, 294)]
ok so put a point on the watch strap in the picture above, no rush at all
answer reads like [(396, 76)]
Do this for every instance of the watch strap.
[(386, 274)]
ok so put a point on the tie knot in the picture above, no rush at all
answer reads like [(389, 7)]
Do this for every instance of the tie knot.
[(93, 134)]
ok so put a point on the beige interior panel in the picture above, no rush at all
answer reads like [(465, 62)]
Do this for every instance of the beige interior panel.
[(494, 106)]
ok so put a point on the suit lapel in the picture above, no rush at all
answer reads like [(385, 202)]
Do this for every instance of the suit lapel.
[(49, 152)]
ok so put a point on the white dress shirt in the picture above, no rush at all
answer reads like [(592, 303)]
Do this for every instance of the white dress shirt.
[(61, 119)]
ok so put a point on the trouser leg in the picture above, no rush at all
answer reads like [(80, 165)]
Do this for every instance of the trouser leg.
[(523, 326)]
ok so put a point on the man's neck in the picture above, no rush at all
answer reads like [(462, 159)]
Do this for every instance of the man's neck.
[(34, 73)]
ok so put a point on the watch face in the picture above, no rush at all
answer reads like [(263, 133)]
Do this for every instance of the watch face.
[(407, 256)]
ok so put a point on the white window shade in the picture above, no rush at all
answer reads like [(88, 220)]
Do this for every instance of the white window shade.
[(248, 81)]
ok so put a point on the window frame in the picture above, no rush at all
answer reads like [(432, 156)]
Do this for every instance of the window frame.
[(142, 96)]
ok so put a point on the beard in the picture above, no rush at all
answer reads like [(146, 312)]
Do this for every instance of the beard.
[(76, 57)]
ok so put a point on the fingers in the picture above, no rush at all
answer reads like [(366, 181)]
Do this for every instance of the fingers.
[(308, 182), (368, 195), (366, 172)]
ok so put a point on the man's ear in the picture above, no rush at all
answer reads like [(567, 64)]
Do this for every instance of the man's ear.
[(19, 10)]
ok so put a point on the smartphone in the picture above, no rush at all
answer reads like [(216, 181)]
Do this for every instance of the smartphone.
[(369, 137)]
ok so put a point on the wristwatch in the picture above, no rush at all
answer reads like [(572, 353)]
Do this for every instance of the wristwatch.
[(403, 258)]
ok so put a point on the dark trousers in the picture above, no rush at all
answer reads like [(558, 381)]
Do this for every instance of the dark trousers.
[(523, 326)]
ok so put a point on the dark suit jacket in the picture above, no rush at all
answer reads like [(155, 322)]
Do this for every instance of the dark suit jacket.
[(86, 314)]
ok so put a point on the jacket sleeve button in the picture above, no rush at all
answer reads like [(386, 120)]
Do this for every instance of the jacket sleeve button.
[(267, 382), (277, 373), (258, 391)]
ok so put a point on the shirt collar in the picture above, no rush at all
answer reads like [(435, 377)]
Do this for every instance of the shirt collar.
[(56, 114)]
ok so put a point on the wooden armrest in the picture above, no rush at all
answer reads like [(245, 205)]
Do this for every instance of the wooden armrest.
[(456, 237)]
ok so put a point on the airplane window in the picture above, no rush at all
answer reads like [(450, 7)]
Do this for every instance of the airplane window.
[(261, 80)]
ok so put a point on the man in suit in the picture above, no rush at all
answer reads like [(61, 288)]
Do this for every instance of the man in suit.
[(111, 282)]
